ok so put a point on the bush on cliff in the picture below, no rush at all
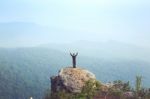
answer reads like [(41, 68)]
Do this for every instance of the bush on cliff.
[(88, 91)]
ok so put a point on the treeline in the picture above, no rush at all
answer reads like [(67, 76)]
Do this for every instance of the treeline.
[(25, 72)]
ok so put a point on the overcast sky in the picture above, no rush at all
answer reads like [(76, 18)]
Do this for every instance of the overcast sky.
[(94, 20)]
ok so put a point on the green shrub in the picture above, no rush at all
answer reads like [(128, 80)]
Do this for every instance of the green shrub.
[(89, 90)]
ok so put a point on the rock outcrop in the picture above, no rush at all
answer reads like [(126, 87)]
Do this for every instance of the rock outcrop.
[(71, 79)]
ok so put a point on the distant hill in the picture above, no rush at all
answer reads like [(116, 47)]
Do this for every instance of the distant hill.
[(25, 34), (25, 72), (111, 50)]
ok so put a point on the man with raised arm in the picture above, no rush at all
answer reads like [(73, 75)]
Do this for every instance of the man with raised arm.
[(74, 55)]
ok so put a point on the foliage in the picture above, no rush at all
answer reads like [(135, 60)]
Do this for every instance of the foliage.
[(124, 86), (89, 90), (138, 83), (25, 72), (93, 90)]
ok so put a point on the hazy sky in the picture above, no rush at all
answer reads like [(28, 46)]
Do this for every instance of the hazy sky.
[(93, 20)]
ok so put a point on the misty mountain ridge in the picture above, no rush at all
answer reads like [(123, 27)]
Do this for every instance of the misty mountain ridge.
[(104, 50), (27, 34)]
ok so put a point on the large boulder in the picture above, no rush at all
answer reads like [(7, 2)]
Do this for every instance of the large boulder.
[(71, 79)]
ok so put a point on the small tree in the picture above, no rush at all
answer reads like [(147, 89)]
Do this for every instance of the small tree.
[(126, 86), (91, 88), (138, 85)]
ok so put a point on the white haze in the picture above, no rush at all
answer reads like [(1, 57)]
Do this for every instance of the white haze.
[(36, 22)]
